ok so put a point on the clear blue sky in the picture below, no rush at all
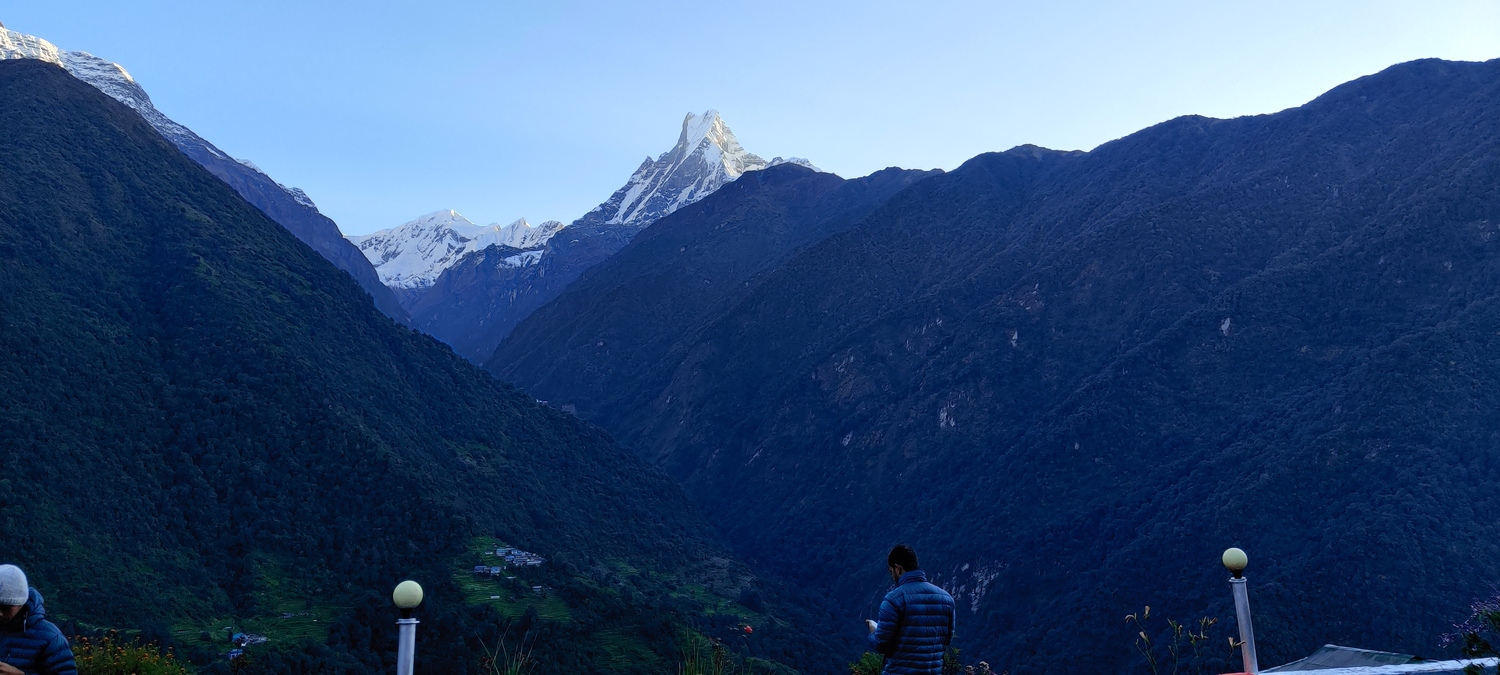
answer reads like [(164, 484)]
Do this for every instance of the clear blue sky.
[(383, 111)]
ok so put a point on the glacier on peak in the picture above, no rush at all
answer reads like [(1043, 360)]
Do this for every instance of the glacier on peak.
[(414, 254), (524, 258)]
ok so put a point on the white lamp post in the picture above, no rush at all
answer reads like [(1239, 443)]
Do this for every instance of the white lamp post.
[(407, 596), (1235, 561)]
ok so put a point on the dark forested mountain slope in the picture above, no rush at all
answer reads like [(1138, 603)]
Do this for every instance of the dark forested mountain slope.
[(288, 206), (1071, 380), (619, 331), (202, 420), (300, 218)]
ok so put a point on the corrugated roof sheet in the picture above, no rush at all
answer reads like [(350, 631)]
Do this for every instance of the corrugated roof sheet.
[(1336, 656), (1337, 660)]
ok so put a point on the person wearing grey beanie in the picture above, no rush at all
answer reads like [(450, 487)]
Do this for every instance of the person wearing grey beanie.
[(29, 643), (13, 586)]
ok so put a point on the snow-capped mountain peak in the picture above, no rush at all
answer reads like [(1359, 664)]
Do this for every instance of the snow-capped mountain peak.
[(112, 79), (470, 296), (709, 135), (707, 156), (412, 255)]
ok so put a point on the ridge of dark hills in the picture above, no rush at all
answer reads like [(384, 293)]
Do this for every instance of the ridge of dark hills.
[(203, 423), (677, 276), (1070, 380)]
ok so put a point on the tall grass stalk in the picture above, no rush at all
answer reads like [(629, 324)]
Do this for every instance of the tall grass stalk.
[(502, 661), (1185, 651), (703, 657)]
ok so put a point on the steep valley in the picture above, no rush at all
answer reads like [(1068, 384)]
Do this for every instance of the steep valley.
[(204, 423)]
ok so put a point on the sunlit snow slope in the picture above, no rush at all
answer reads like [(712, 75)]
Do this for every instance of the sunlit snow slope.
[(413, 254)]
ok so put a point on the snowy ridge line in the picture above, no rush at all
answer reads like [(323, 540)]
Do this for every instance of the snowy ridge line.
[(112, 79), (706, 156), (15, 45), (414, 254)]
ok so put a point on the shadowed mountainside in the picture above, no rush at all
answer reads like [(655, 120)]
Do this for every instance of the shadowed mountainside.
[(1071, 379), (621, 328), (304, 222)]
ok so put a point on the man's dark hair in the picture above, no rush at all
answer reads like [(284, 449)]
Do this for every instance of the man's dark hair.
[(905, 557)]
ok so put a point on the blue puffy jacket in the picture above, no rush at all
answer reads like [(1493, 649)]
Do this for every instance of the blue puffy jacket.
[(915, 627), (33, 644)]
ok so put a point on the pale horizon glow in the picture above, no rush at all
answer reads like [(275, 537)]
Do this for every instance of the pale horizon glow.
[(503, 110)]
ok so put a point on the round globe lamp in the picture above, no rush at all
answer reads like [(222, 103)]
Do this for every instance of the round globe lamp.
[(407, 596), (1235, 561)]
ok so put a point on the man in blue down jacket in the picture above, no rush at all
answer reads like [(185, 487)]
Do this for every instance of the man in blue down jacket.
[(916, 620), (29, 643)]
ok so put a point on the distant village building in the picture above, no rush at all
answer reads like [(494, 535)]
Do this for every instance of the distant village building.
[(516, 556), (511, 556), (247, 639), (489, 570)]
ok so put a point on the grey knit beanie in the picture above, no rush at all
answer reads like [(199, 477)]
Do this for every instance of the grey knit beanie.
[(13, 588)]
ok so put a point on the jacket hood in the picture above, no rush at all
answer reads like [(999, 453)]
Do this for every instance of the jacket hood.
[(34, 610)]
